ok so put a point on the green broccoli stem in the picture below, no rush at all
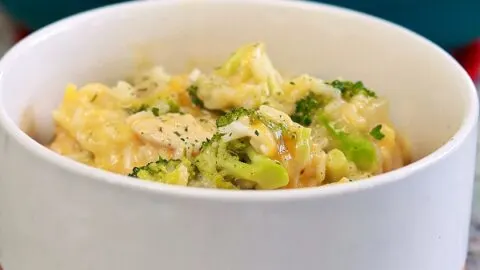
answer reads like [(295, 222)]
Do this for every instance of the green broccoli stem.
[(173, 171), (266, 173), (303, 146), (356, 147), (305, 109), (233, 63)]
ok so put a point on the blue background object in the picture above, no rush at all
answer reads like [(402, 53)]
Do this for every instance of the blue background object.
[(35, 14), (449, 23)]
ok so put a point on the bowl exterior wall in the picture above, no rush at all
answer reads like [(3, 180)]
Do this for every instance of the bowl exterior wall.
[(52, 218)]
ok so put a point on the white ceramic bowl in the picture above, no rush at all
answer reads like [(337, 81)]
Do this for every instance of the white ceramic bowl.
[(58, 214)]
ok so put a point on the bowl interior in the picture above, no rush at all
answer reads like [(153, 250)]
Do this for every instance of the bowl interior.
[(428, 92)]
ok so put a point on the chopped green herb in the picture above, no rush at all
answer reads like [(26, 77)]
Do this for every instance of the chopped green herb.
[(173, 107), (94, 97), (350, 89), (156, 111), (376, 132), (177, 133), (232, 116), (292, 83), (134, 110), (164, 171), (305, 110), (257, 133), (192, 91)]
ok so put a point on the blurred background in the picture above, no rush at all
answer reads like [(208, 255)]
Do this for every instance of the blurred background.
[(452, 24)]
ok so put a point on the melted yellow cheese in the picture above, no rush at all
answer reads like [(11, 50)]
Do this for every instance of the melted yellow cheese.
[(116, 128), (96, 121)]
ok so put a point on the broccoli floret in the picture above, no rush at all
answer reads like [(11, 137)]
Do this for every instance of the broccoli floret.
[(238, 146), (305, 109), (356, 147), (247, 79), (301, 135), (192, 92), (350, 89), (278, 123), (233, 115), (247, 61), (224, 161), (176, 172), (237, 113), (206, 163)]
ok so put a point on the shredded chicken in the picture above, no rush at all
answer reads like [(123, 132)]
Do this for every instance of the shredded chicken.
[(177, 133)]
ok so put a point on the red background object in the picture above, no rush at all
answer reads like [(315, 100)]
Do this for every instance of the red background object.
[(20, 33), (469, 58)]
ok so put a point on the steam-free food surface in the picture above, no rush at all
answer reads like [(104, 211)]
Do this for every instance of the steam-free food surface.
[(241, 126)]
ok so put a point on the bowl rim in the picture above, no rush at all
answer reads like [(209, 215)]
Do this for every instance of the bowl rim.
[(13, 130)]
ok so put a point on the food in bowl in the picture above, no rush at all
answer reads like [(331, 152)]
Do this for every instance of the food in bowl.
[(240, 126), (415, 217)]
